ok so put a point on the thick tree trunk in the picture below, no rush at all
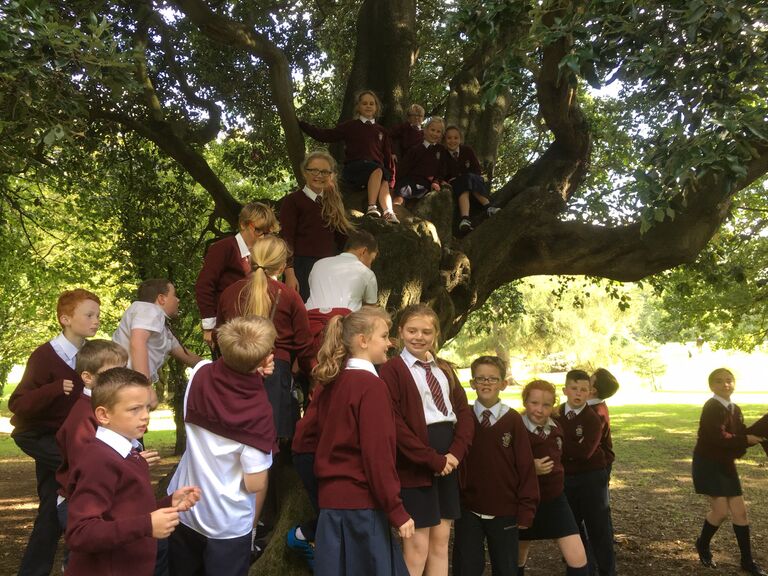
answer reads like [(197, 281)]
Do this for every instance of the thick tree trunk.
[(384, 52)]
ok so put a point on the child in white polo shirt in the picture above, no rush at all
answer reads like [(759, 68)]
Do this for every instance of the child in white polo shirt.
[(230, 438)]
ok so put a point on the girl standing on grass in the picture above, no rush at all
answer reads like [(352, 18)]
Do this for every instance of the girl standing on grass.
[(434, 430), (722, 439), (554, 519), (355, 455)]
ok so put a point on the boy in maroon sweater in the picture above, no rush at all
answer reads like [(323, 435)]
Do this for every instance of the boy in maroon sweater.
[(586, 472), (48, 389), (113, 517), (604, 385), (499, 489)]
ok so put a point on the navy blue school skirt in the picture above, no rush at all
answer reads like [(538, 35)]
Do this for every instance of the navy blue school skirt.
[(427, 505), (711, 478), (357, 172), (469, 183), (554, 519), (356, 543)]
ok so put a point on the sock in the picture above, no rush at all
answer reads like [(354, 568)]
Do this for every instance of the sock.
[(299, 533), (742, 537), (583, 571), (707, 531)]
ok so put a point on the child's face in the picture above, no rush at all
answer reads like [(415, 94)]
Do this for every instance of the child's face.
[(538, 406), (169, 302), (129, 416), (452, 140), (366, 106), (577, 392), (90, 379), (317, 174), (433, 132), (488, 383), (84, 321), (415, 118), (723, 385), (377, 343), (418, 335)]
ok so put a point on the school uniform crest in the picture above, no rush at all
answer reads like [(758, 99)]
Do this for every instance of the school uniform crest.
[(437, 155), (466, 164), (506, 439), (579, 431), (381, 136), (559, 442)]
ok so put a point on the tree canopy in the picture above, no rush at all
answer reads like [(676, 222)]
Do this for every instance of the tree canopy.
[(187, 108)]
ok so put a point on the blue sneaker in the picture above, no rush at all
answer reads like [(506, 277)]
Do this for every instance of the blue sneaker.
[(303, 548)]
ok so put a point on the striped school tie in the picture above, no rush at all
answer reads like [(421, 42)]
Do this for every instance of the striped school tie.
[(486, 421), (434, 387), (541, 433), (570, 414)]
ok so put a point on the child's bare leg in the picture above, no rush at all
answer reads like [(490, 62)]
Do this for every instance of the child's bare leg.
[(464, 204), (374, 183), (738, 510), (572, 549), (718, 510), (480, 198), (522, 552), (415, 550), (437, 558), (385, 198)]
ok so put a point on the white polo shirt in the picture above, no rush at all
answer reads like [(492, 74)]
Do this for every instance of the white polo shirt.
[(217, 465), (151, 317), (341, 282)]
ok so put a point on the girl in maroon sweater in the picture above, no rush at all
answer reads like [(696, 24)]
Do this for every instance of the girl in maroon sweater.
[(355, 458), (313, 220), (434, 431), (425, 166), (554, 519), (367, 151), (261, 295), (722, 438)]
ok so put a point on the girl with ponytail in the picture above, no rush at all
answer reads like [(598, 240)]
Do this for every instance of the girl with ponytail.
[(262, 295), (353, 427)]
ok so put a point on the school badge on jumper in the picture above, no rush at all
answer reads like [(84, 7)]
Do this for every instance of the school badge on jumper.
[(579, 431), (506, 439), (381, 136), (466, 164), (437, 154), (559, 443)]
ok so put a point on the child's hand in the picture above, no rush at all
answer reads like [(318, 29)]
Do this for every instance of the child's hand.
[(184, 498), (267, 366), (543, 465), (68, 386), (151, 456), (752, 440), (450, 464), (436, 186), (164, 521), (407, 530), (208, 337)]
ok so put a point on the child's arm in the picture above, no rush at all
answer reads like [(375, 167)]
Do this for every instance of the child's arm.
[(474, 163), (205, 287), (583, 446), (322, 134), (376, 430), (408, 443), (303, 340), (34, 394), (255, 482), (712, 430), (528, 483), (138, 350), (185, 356)]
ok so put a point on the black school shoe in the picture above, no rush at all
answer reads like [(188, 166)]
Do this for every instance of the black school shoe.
[(754, 569), (705, 556)]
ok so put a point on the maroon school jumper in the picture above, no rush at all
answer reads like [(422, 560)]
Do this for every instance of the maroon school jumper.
[(355, 457), (425, 163), (581, 441), (304, 230), (76, 432), (497, 476), (466, 163), (722, 435), (109, 530), (290, 319), (417, 461), (606, 441), (404, 136), (550, 485), (39, 402), (362, 140), (222, 267)]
